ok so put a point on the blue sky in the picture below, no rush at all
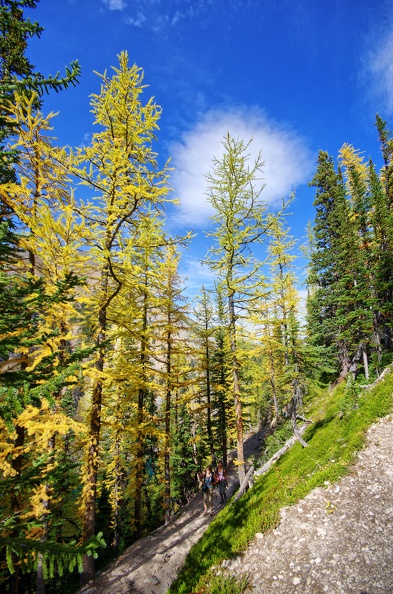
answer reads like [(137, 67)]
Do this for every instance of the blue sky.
[(297, 76)]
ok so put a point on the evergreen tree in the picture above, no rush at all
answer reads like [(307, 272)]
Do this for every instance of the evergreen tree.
[(221, 380), (382, 202), (362, 329), (382, 259), (204, 330), (121, 167), (240, 225), (325, 276), (386, 142), (172, 323), (343, 304), (17, 74)]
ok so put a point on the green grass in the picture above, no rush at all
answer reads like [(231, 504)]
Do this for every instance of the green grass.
[(340, 421)]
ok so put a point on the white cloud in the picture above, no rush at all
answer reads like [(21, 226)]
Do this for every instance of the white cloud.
[(115, 4), (287, 159), (380, 68), (177, 17), (138, 21), (161, 15)]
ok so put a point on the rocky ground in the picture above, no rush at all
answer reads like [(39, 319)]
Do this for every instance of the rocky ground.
[(337, 540)]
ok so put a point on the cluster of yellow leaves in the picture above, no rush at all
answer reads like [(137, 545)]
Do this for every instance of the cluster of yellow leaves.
[(7, 451), (352, 160), (42, 423), (38, 508)]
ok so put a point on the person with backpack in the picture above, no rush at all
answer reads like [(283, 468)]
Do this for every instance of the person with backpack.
[(221, 479), (208, 481)]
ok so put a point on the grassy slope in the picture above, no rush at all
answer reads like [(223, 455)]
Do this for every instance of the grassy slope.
[(340, 422)]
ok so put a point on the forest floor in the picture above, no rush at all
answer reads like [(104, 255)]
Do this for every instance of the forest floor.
[(338, 539)]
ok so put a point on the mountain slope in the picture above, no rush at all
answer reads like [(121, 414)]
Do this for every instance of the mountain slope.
[(312, 546), (337, 539)]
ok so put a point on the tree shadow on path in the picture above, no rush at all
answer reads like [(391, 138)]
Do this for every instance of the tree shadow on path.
[(151, 564)]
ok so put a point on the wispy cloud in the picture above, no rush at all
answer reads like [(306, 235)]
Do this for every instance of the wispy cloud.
[(136, 21), (162, 15), (195, 274), (288, 162), (115, 4), (379, 72)]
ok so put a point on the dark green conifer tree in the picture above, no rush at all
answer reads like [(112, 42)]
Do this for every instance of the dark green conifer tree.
[(17, 74), (221, 381), (339, 305), (203, 328), (321, 305), (382, 264), (386, 140)]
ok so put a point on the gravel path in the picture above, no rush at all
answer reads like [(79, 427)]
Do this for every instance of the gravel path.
[(337, 540)]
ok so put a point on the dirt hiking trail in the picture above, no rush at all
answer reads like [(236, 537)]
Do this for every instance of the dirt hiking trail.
[(150, 565)]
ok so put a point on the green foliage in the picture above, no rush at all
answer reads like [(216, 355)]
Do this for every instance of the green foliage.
[(275, 441), (218, 582), (18, 74), (350, 275), (16, 71), (183, 466), (333, 440), (55, 557)]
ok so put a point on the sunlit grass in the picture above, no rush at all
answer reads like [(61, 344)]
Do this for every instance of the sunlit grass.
[(341, 419)]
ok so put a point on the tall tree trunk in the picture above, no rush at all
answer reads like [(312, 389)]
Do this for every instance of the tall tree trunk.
[(236, 391), (139, 469), (93, 452), (193, 435), (365, 364), (208, 398), (40, 588), (345, 362), (224, 439), (139, 465), (274, 389), (17, 464), (168, 431), (117, 498)]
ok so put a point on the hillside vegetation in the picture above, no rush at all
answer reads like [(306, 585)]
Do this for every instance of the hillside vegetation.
[(340, 421), (118, 382)]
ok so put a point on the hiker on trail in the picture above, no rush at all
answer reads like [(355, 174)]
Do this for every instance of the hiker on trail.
[(207, 480), (221, 479)]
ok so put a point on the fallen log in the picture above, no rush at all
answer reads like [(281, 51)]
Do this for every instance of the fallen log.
[(288, 444), (247, 482)]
